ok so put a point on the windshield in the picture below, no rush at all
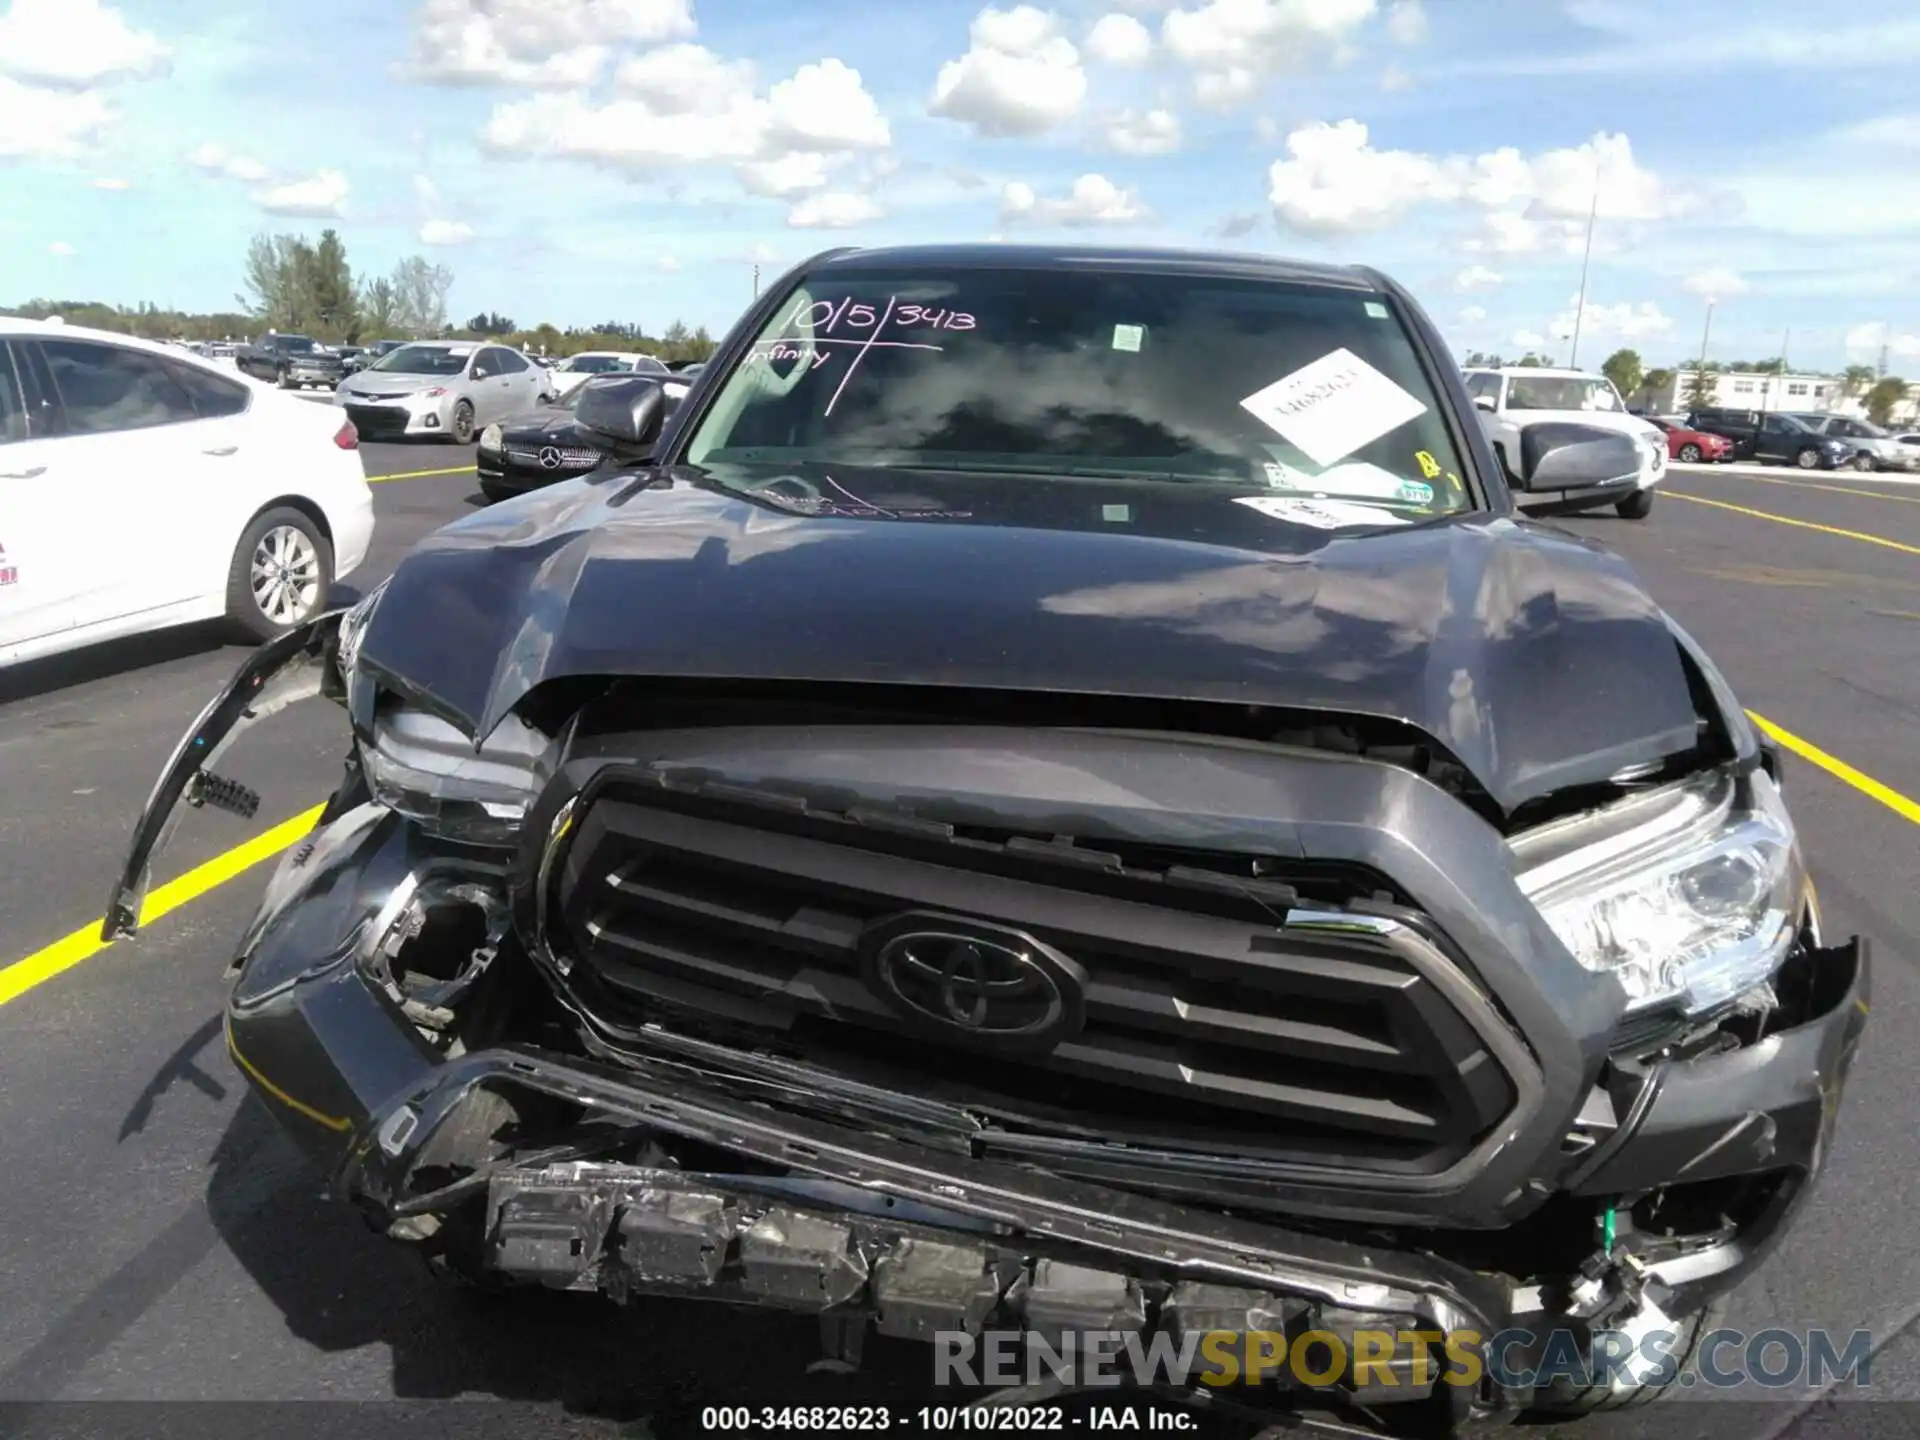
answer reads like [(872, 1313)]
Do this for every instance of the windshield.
[(596, 364), (1560, 392), (422, 360), (1268, 386), (1866, 430), (293, 344)]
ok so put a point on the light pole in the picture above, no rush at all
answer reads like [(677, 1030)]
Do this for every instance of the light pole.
[(756, 282), (1580, 307)]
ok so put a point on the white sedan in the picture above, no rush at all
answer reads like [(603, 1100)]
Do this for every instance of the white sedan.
[(143, 487), (574, 371)]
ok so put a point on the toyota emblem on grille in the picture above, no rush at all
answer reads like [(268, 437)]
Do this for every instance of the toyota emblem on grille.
[(549, 457), (976, 984)]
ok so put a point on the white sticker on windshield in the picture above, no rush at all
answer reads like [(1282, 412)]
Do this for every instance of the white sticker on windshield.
[(1360, 479), (1332, 407), (1128, 337), (1320, 514)]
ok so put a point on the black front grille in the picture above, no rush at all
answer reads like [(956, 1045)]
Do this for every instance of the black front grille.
[(565, 458), (375, 420), (1209, 1026)]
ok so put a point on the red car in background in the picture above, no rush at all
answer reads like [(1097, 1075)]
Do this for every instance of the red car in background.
[(1693, 446)]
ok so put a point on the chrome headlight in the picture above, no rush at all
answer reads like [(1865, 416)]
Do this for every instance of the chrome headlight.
[(353, 629), (419, 766), (490, 438), (1691, 894)]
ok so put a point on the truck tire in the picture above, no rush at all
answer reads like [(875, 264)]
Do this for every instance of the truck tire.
[(280, 574), (1689, 1331), (1636, 506), (284, 380)]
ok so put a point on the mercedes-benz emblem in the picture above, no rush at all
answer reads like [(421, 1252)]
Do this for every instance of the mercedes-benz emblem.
[(975, 983), (549, 457)]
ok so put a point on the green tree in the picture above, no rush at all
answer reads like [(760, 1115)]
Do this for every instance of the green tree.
[(1625, 370), (1858, 379), (1884, 395), (420, 293), (1700, 387), (1658, 380), (379, 309), (330, 291)]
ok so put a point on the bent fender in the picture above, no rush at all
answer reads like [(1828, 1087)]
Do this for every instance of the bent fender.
[(287, 669)]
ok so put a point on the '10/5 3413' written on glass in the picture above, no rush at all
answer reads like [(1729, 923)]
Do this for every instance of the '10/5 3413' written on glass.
[(819, 331)]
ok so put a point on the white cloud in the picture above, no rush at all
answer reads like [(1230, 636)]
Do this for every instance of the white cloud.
[(61, 248), (320, 196), (834, 210), (677, 79), (1622, 321), (1121, 40), (787, 137), (785, 175), (1393, 80), (1715, 285), (1335, 182), (1406, 22), (1529, 339), (1021, 76), (667, 263), (445, 232), (760, 253), (1235, 46), (1472, 314), (1864, 342), (217, 160), (1093, 200), (109, 182), (37, 124), (74, 44), (1154, 132), (1877, 43), (1477, 277), (1894, 132), (534, 43)]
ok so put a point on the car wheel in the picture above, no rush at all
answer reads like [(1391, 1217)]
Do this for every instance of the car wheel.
[(1863, 462), (1808, 459), (281, 572), (1636, 506), (461, 431), (1689, 454), (1562, 1397), (284, 381)]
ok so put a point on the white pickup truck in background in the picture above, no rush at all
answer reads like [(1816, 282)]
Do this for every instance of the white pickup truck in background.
[(1510, 399)]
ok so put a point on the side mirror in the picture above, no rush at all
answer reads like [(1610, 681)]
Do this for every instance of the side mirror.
[(627, 409), (1577, 457), (1484, 402)]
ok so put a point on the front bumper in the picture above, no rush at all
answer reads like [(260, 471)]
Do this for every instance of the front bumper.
[(810, 1207), (394, 419)]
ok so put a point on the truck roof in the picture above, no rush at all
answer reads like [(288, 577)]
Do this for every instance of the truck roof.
[(994, 256)]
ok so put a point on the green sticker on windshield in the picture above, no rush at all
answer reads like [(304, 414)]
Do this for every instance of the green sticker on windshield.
[(1128, 337)]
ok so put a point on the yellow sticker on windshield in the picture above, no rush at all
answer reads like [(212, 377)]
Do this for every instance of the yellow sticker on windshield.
[(1429, 466)]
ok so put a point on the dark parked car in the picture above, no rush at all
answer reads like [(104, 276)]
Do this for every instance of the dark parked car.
[(293, 362), (1763, 435), (1061, 795), (547, 445), (1691, 446)]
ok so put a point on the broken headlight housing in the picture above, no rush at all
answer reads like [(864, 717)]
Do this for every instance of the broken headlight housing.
[(426, 769), (1692, 894)]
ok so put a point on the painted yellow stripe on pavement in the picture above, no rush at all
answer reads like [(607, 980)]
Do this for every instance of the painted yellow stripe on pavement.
[(1840, 770), (1859, 535), (419, 474), (1829, 489), (83, 944)]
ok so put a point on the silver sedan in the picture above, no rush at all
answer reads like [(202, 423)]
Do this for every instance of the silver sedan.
[(449, 389)]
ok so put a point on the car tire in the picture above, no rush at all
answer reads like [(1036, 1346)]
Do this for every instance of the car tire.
[(284, 381), (460, 432), (1566, 1399), (259, 604), (1689, 455), (1808, 459), (1636, 506), (1864, 463)]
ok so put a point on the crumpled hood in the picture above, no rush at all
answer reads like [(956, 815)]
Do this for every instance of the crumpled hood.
[(1536, 658)]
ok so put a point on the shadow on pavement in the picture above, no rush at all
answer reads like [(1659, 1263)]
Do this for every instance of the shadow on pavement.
[(36, 678)]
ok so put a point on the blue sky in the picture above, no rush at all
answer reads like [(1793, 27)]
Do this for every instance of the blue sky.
[(574, 160)]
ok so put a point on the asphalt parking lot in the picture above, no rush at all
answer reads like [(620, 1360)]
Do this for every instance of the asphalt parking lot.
[(164, 1244)]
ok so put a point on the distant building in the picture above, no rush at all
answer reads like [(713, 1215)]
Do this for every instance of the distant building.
[(1750, 390)]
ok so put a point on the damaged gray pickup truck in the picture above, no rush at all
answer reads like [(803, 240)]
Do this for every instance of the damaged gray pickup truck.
[(1063, 793)]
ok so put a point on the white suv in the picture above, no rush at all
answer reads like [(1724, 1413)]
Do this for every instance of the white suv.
[(1511, 399)]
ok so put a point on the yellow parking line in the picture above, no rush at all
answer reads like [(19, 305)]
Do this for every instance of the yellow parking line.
[(1829, 489), (83, 944), (1800, 524), (1840, 770), (419, 474)]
